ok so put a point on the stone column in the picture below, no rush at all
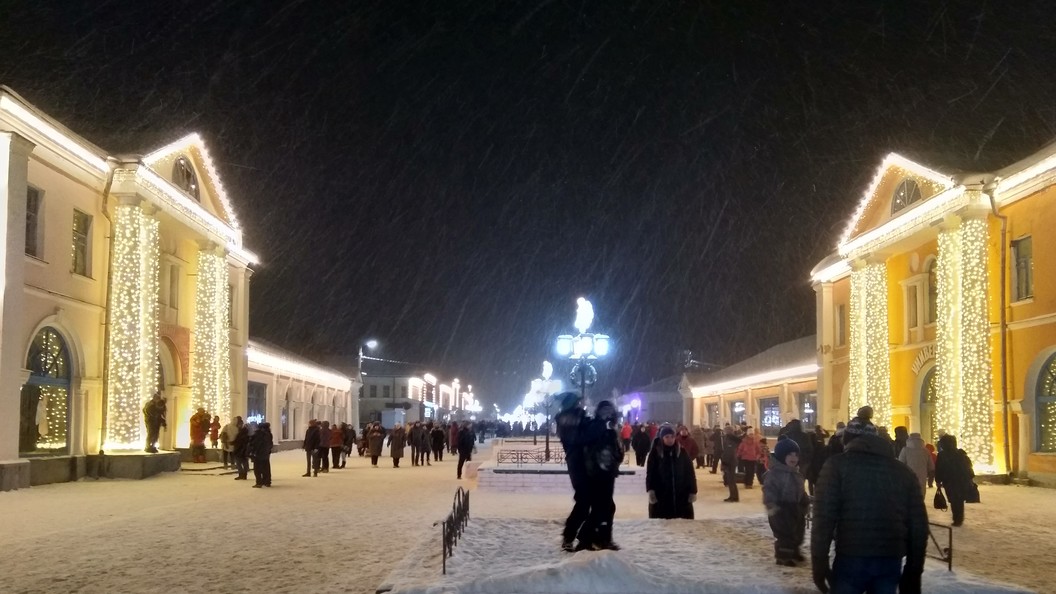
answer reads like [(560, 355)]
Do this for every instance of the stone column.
[(14, 168), (133, 308), (828, 398), (212, 344)]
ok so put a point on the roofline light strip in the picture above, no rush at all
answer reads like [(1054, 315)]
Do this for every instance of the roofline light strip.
[(16, 109), (755, 379), (257, 355), (195, 139), (910, 217)]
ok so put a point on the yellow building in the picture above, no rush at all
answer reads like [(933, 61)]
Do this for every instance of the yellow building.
[(122, 276), (930, 311)]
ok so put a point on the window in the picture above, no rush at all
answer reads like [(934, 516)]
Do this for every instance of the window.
[(174, 286), (1046, 400), (933, 291), (911, 306), (45, 398), (284, 416), (256, 401), (713, 415), (906, 193), (373, 391), (414, 393), (82, 228), (737, 412), (184, 177), (770, 416), (807, 403), (403, 391), (385, 392), (34, 198), (841, 325), (1023, 271)]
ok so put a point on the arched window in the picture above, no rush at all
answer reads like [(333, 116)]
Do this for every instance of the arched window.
[(1046, 401), (284, 416), (184, 177), (906, 193), (45, 401)]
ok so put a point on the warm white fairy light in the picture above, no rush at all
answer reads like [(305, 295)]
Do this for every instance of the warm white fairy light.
[(54, 403), (926, 178), (947, 333), (212, 357), (195, 141), (133, 342), (870, 373), (977, 402)]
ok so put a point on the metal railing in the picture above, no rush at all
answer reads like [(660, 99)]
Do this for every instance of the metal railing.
[(454, 525), (937, 551), (534, 457)]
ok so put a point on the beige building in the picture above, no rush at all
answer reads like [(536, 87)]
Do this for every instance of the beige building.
[(123, 276)]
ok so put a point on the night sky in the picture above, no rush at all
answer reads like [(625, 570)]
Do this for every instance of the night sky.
[(447, 177)]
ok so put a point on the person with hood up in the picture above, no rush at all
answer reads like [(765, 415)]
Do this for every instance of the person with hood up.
[(731, 440), (570, 422), (260, 451), (375, 442), (917, 459), (794, 429), (871, 505), (954, 474), (670, 480), (786, 502), (436, 439), (603, 454)]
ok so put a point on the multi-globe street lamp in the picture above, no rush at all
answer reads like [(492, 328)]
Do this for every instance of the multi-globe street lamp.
[(583, 348)]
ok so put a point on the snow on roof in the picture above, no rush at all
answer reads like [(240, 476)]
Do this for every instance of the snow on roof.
[(262, 353), (794, 358)]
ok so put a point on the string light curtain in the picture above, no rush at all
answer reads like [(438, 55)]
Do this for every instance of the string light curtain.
[(212, 357), (870, 375), (133, 344)]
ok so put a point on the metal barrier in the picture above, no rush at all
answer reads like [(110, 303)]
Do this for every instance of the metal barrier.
[(454, 524), (937, 551), (533, 457)]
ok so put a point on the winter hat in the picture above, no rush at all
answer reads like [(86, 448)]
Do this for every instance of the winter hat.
[(665, 430), (567, 400), (865, 413), (857, 427), (785, 447)]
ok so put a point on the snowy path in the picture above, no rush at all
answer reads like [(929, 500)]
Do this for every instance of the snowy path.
[(345, 531)]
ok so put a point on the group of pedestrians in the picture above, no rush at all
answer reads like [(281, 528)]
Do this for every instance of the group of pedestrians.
[(427, 441), (326, 446)]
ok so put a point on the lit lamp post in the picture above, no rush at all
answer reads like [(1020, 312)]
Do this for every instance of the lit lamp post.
[(583, 348)]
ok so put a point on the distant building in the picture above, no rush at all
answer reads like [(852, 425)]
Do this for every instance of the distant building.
[(938, 309), (660, 401), (764, 391)]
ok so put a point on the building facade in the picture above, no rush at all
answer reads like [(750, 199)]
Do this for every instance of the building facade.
[(931, 312), (765, 391), (288, 391), (123, 276)]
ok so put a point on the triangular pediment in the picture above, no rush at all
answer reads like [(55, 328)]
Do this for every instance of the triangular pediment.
[(170, 163), (876, 206)]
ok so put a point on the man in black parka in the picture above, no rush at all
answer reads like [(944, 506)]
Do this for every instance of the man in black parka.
[(570, 421)]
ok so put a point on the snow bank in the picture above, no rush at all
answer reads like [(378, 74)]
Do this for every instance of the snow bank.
[(505, 556)]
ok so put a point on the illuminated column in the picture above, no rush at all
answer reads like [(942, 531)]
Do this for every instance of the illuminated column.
[(870, 376), (133, 344), (212, 357), (964, 399), (14, 168), (828, 398)]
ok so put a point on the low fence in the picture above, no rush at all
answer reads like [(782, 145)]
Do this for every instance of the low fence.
[(533, 457), (454, 525)]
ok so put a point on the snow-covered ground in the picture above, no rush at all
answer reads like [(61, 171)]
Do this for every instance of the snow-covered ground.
[(348, 531)]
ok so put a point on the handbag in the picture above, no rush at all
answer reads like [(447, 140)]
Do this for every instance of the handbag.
[(940, 500), (971, 494)]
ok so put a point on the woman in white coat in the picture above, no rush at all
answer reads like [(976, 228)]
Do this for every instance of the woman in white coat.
[(917, 459)]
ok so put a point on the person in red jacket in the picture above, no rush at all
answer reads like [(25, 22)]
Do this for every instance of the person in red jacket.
[(684, 439), (199, 431), (625, 437), (748, 454), (337, 441)]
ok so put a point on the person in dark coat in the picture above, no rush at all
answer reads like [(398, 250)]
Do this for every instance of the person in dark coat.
[(716, 448), (786, 502), (397, 443), (871, 505), (819, 441), (794, 430), (260, 451), (321, 462), (349, 433), (310, 445), (953, 473), (241, 451), (375, 442), (602, 455), (154, 417), (901, 437), (467, 440), (570, 421), (436, 437), (641, 443), (670, 480), (731, 440)]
